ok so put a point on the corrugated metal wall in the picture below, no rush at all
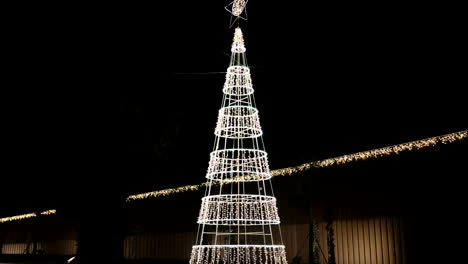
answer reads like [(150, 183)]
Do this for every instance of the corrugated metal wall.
[(54, 243), (158, 245), (178, 245), (13, 248), (365, 240), (296, 240), (58, 247), (358, 240)]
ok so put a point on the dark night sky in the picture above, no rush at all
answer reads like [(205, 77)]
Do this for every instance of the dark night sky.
[(119, 94)]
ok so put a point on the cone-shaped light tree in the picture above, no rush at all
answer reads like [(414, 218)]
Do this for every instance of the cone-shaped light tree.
[(238, 220)]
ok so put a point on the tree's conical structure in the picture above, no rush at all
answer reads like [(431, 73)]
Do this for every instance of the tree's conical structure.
[(238, 220)]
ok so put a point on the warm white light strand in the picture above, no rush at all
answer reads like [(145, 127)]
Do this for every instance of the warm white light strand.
[(238, 122), (248, 254), (238, 165), (26, 216), (376, 153), (48, 212), (237, 7), (238, 81), (238, 45), (232, 215), (370, 154), (238, 209)]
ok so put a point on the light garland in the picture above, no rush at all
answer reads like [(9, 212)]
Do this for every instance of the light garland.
[(26, 216), (48, 212), (376, 153), (167, 192)]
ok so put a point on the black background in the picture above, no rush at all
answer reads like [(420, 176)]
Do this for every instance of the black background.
[(99, 104)]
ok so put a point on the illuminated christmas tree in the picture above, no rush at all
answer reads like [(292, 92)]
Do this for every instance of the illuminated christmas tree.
[(238, 220)]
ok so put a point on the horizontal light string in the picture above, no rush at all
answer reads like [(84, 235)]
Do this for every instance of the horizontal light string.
[(26, 216), (370, 154), (375, 153)]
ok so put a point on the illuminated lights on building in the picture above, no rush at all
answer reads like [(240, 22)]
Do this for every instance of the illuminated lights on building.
[(341, 160), (26, 216)]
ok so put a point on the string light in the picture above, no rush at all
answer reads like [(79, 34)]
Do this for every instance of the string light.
[(237, 8), (238, 81), (48, 212), (229, 217), (238, 45), (26, 216), (248, 254), (238, 209), (236, 165), (370, 154), (376, 153), (238, 122), (167, 192)]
